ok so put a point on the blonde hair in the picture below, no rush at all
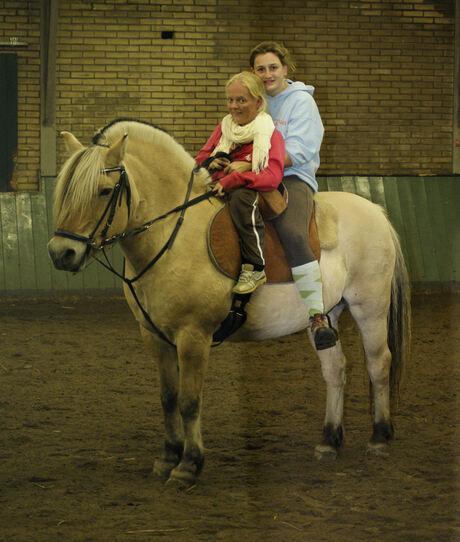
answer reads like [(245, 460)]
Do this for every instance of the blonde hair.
[(277, 49), (254, 85)]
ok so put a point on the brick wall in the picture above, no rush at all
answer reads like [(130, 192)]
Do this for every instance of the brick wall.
[(383, 72), (21, 19)]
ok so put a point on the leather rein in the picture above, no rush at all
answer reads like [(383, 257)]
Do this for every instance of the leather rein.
[(116, 198)]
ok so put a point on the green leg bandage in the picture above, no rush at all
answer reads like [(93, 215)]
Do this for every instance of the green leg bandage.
[(307, 278)]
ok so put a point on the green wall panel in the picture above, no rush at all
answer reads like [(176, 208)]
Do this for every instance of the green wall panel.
[(423, 210)]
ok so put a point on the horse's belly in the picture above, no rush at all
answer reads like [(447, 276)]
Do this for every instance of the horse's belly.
[(275, 310)]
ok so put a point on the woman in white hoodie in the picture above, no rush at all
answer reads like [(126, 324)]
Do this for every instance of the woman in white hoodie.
[(295, 114)]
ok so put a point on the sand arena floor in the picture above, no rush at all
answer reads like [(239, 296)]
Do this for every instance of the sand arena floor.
[(80, 426)]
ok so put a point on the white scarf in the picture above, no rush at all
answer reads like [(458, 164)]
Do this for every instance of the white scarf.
[(259, 131)]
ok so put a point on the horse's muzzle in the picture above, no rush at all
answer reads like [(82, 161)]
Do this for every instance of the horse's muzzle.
[(67, 254)]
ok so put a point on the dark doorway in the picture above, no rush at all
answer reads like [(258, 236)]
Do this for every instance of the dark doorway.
[(8, 119)]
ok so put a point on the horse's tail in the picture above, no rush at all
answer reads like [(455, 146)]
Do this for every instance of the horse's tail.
[(399, 320)]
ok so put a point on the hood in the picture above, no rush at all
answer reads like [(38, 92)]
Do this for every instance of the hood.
[(294, 86)]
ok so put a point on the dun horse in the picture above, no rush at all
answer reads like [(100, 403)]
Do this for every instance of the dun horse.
[(133, 175)]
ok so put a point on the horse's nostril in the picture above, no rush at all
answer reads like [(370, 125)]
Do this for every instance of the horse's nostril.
[(68, 256)]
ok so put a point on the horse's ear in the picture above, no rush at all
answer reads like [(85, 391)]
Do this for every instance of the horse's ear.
[(116, 153), (71, 142)]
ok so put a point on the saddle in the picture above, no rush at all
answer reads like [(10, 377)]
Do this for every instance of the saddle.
[(224, 250)]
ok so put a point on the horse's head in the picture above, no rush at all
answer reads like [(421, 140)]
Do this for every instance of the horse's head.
[(93, 201)]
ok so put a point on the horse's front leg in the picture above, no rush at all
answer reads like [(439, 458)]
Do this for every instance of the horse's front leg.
[(333, 369), (193, 353), (166, 357)]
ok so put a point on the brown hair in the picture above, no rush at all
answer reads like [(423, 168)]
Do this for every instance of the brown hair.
[(277, 49)]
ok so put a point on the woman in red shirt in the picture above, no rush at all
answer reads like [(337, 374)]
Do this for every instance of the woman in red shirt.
[(245, 156)]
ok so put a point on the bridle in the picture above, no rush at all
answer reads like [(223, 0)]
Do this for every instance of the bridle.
[(117, 196), (119, 189)]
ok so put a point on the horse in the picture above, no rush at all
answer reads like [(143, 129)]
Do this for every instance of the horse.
[(135, 185)]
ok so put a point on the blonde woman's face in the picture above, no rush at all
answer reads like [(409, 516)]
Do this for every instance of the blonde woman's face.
[(273, 74), (241, 105)]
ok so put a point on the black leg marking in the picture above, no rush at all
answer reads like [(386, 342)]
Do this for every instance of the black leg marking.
[(169, 402), (383, 432), (173, 452), (190, 409), (332, 436)]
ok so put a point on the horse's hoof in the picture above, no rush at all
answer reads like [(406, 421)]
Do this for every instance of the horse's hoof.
[(324, 452), (379, 449), (181, 480), (162, 468)]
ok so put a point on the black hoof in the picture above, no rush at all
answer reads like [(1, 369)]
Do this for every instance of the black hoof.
[(378, 449), (324, 452), (181, 480), (185, 475)]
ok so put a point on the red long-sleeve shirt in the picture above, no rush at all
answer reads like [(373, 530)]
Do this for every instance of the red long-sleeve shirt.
[(268, 179)]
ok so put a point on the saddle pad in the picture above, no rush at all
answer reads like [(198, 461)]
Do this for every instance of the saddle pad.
[(224, 250)]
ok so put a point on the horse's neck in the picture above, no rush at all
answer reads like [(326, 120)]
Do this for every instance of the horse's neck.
[(156, 199)]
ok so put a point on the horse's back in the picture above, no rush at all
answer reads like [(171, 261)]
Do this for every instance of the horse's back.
[(351, 209)]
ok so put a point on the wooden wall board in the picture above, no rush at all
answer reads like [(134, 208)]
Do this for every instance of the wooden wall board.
[(25, 243), (437, 202), (377, 191), (426, 238), (8, 217), (334, 184), (450, 190), (362, 187), (43, 265)]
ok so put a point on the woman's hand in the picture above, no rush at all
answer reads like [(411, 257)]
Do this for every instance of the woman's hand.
[(218, 189), (239, 166), (219, 163)]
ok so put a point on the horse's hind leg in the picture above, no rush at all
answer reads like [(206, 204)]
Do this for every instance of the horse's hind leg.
[(333, 368), (373, 327), (166, 358)]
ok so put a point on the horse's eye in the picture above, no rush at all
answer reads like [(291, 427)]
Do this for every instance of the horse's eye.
[(105, 192)]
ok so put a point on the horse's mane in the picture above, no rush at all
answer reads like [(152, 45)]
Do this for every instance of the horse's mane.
[(115, 126), (77, 182)]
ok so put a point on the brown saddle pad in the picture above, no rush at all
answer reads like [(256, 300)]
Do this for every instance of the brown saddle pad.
[(225, 253)]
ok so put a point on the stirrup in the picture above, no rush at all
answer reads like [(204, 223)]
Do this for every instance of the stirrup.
[(324, 335), (234, 320)]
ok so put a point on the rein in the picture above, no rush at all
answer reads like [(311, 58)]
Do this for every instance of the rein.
[(117, 196)]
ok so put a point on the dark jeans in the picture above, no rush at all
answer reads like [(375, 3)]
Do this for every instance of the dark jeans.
[(292, 225)]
